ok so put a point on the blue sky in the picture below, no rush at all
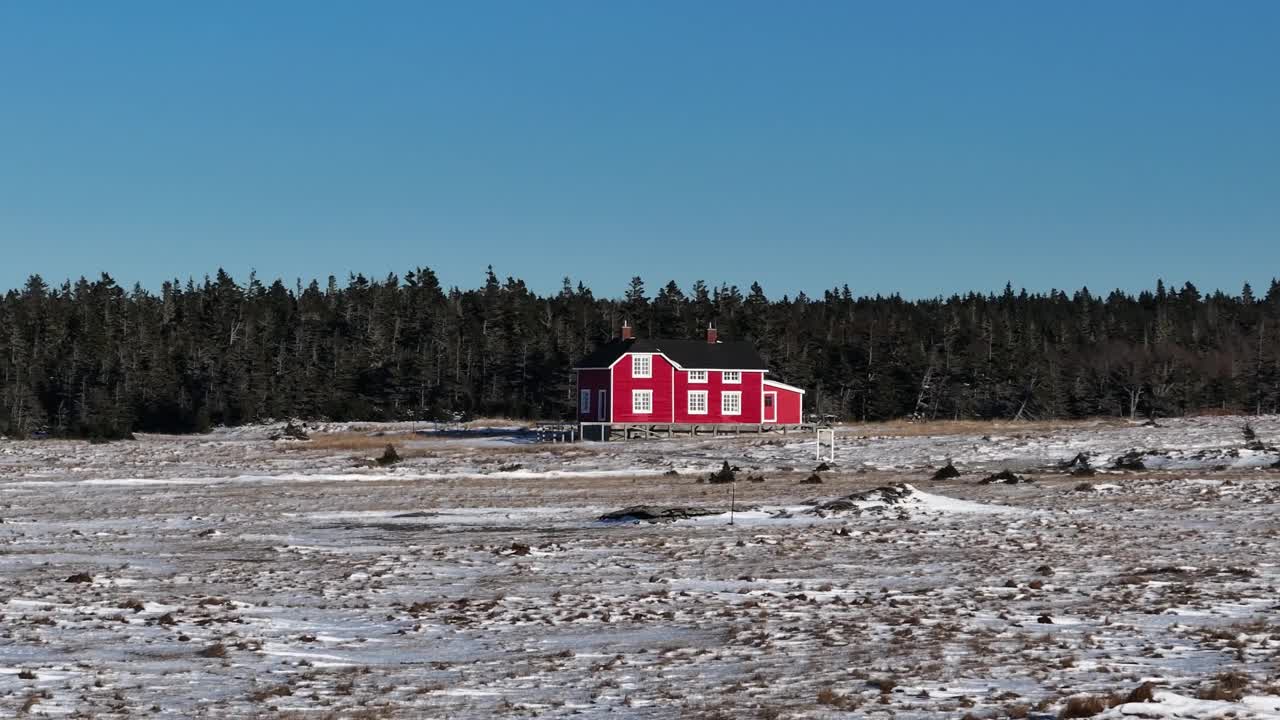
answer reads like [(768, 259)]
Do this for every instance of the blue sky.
[(914, 147)]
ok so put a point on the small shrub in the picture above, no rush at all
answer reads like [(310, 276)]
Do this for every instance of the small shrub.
[(1249, 433), (1132, 460), (80, 578), (1007, 477), (1084, 706), (831, 698), (722, 476), (1144, 693), (271, 692), (216, 650), (884, 685), (26, 675), (1227, 687), (948, 472), (812, 480), (30, 703), (389, 456)]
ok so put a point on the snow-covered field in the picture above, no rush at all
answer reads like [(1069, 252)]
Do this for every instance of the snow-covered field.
[(231, 575)]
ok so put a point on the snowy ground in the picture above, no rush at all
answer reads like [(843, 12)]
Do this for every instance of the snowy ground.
[(231, 575)]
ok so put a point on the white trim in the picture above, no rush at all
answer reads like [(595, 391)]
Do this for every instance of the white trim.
[(726, 381), (677, 365), (635, 395), (648, 358), (603, 397), (763, 397), (689, 374), (784, 386), (584, 402), (688, 402), (673, 393), (728, 394)]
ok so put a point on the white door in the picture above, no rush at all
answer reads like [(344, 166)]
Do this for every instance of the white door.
[(601, 412), (771, 407)]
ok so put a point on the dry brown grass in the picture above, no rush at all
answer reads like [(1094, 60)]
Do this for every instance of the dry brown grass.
[(831, 698), (1144, 693), (906, 428), (1084, 706), (216, 650), (348, 441), (1227, 687), (30, 703), (409, 445), (264, 694)]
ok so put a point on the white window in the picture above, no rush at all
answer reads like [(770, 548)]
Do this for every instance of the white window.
[(642, 366), (697, 376), (731, 403), (731, 376), (641, 402), (697, 402), (584, 402)]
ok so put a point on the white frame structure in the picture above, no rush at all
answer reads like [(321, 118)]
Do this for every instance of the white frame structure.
[(647, 396), (637, 361), (764, 405), (736, 395), (697, 376), (736, 374), (701, 394), (584, 402), (831, 435)]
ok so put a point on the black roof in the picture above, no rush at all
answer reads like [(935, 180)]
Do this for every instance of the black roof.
[(688, 354)]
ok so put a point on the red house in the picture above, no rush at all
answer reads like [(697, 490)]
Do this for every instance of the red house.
[(631, 381)]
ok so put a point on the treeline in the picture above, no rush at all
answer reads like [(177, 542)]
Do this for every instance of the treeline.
[(93, 359)]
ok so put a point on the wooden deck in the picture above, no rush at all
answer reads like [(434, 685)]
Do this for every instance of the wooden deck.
[(604, 431)]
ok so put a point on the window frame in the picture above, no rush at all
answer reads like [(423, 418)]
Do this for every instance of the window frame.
[(584, 402), (648, 362), (636, 395), (737, 394), (736, 374), (706, 402), (698, 377)]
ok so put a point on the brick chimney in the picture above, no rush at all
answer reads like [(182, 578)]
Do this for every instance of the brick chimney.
[(627, 334), (712, 337)]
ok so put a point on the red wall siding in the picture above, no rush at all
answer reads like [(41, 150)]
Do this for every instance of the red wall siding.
[(789, 405), (672, 386), (595, 381), (660, 384), (749, 387)]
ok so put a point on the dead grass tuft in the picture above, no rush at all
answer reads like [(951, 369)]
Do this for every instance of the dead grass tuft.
[(1227, 686), (1084, 706), (906, 428), (1144, 693), (216, 650), (272, 692), (841, 701)]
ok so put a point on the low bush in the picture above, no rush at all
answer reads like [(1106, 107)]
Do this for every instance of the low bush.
[(723, 476), (389, 456)]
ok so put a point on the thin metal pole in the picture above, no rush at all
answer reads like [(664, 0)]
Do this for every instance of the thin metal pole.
[(733, 499)]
